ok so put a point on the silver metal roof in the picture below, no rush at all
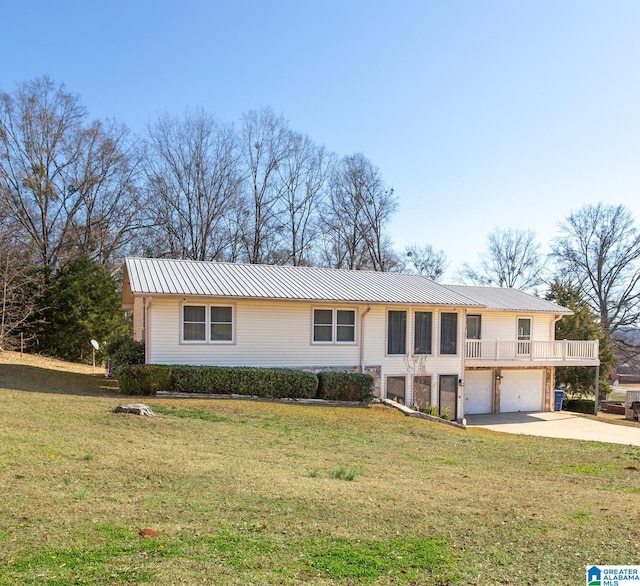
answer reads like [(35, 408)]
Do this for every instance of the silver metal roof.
[(502, 298), (152, 276)]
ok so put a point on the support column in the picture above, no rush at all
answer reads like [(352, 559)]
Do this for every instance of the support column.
[(497, 379), (549, 388), (595, 403)]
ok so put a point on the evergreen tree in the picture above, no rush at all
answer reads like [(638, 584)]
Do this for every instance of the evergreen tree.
[(81, 304), (583, 324)]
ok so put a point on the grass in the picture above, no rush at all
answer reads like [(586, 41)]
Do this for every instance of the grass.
[(344, 473), (248, 492)]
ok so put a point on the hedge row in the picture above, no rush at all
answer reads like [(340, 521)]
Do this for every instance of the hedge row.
[(579, 405), (341, 386), (271, 383)]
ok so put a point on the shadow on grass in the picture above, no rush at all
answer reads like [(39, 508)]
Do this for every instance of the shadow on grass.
[(35, 379)]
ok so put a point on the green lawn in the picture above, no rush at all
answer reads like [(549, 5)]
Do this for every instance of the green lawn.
[(243, 492)]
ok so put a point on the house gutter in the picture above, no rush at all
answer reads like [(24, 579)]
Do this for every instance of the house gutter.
[(362, 316), (556, 319)]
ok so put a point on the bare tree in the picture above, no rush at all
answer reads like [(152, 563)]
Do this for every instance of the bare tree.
[(426, 261), (599, 251), (71, 187), (194, 183), (265, 144), (109, 184), (356, 215), (301, 189), (41, 149), (512, 259), (20, 290)]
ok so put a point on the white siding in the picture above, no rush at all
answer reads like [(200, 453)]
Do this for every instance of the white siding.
[(138, 319), (266, 334), (433, 364), (497, 325), (278, 333)]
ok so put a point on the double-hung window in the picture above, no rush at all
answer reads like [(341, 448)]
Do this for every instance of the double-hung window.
[(194, 323), (221, 323), (207, 323), (345, 325), (334, 326)]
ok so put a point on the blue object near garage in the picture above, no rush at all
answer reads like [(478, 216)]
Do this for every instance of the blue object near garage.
[(559, 398)]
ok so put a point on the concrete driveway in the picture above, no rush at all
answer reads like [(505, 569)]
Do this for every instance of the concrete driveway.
[(559, 424)]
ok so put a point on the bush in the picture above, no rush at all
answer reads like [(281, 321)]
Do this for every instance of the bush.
[(144, 379), (344, 386), (125, 352), (579, 405), (271, 383)]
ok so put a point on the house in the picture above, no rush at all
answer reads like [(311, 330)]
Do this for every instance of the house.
[(464, 349)]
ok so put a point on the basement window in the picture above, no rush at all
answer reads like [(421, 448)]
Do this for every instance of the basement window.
[(396, 388)]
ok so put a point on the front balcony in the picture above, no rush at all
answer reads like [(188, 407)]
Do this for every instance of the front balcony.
[(540, 352)]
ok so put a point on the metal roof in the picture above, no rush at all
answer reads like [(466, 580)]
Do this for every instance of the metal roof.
[(152, 276), (502, 298)]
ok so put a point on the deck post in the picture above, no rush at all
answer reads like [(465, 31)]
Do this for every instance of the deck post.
[(595, 403)]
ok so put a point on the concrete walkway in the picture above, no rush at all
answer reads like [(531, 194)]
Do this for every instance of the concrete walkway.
[(559, 424)]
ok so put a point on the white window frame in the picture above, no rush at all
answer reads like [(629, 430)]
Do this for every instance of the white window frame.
[(523, 345), (441, 337), (207, 323), (479, 318), (396, 376), (334, 326), (407, 328), (431, 336), (530, 320)]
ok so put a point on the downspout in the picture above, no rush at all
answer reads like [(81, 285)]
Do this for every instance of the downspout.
[(461, 377), (556, 319), (146, 324), (362, 316)]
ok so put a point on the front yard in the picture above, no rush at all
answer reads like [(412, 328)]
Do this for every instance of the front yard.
[(245, 492)]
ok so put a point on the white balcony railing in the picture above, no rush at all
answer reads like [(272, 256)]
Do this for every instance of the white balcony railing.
[(541, 350)]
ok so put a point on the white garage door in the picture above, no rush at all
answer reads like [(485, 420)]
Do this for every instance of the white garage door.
[(478, 391), (521, 390)]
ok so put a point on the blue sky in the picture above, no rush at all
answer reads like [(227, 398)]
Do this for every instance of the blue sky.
[(478, 113)]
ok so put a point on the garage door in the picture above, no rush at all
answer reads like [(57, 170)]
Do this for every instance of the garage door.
[(478, 391), (521, 390)]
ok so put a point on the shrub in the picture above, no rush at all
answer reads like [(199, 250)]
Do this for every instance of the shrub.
[(344, 386), (579, 405), (144, 379), (124, 352), (272, 383)]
